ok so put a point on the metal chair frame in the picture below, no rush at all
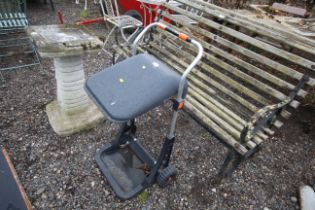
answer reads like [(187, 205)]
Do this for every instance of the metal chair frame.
[(13, 24), (120, 22)]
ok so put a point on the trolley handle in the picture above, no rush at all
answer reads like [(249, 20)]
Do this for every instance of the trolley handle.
[(181, 36)]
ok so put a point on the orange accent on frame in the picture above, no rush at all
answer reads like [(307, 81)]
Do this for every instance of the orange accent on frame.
[(162, 26), (183, 37), (181, 105)]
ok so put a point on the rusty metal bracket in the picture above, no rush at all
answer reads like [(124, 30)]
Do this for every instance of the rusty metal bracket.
[(267, 115)]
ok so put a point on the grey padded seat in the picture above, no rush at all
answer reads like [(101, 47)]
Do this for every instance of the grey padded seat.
[(133, 87)]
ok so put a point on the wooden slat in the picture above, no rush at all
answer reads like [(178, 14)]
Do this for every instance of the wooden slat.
[(267, 30), (251, 68), (193, 79), (216, 129), (220, 117), (254, 42), (225, 79), (229, 115), (241, 75), (206, 79), (258, 57), (212, 116)]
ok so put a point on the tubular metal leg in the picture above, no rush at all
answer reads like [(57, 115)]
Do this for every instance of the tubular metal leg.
[(232, 161), (52, 5), (1, 77), (107, 39), (126, 128), (117, 140)]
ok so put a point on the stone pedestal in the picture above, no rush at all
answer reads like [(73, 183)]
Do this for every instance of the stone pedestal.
[(72, 111)]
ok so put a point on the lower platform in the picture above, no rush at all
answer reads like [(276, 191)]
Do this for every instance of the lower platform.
[(125, 168), (65, 124)]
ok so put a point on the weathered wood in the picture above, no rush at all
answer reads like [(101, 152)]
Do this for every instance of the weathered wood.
[(234, 118), (223, 125), (254, 42), (166, 56), (251, 68), (220, 117), (246, 52), (241, 75), (225, 79), (279, 34), (217, 130), (207, 79), (289, 9), (200, 84), (220, 109)]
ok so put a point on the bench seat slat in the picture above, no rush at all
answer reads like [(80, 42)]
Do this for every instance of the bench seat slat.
[(230, 116), (217, 130), (233, 127), (209, 114), (191, 78)]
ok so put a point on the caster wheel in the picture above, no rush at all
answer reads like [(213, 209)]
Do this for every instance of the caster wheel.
[(165, 175)]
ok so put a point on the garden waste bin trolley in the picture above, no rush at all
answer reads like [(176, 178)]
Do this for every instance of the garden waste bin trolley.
[(123, 92)]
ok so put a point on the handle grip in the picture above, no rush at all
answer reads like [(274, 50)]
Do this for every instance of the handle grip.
[(181, 36)]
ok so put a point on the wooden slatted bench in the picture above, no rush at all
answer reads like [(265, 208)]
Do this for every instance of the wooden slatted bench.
[(251, 77)]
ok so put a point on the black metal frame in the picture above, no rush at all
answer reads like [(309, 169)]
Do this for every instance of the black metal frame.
[(126, 137), (163, 159), (51, 4)]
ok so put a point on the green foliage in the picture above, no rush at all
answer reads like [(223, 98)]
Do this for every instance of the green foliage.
[(84, 14), (142, 197)]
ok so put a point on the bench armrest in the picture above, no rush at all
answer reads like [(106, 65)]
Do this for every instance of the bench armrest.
[(267, 115)]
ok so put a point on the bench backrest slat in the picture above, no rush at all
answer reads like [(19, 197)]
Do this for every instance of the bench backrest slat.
[(244, 50), (272, 31)]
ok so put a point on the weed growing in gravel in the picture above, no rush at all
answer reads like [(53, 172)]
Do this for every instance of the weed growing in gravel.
[(142, 197)]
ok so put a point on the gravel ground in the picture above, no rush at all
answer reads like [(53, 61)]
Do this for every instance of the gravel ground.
[(61, 173)]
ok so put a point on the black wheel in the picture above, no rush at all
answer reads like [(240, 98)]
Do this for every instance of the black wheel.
[(165, 175)]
